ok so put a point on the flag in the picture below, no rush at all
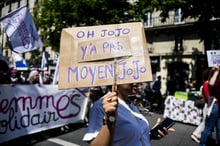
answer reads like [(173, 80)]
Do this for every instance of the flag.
[(19, 61), (56, 73), (21, 30), (43, 60), (41, 79)]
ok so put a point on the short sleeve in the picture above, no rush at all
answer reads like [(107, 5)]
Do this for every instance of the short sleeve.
[(95, 121)]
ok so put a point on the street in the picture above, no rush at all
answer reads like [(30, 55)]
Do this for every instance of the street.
[(73, 137)]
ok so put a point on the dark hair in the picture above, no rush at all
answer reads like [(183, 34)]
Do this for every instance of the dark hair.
[(95, 93), (205, 74)]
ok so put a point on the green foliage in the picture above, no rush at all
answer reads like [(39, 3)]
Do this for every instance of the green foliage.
[(51, 16), (35, 60)]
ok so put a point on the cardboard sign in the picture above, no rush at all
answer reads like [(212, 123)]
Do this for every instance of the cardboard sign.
[(103, 55), (213, 58)]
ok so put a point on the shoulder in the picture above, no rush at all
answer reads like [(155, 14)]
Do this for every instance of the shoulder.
[(97, 105), (205, 84)]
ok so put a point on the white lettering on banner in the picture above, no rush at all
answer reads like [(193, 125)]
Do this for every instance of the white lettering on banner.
[(40, 109)]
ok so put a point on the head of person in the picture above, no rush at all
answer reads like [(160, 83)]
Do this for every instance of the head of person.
[(125, 90), (159, 77), (33, 77), (14, 73), (205, 74), (95, 93)]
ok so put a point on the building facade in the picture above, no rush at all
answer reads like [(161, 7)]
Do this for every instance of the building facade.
[(175, 49)]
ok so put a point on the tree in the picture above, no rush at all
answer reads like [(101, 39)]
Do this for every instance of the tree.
[(51, 16)]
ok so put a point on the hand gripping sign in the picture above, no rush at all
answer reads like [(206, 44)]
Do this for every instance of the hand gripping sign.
[(88, 55)]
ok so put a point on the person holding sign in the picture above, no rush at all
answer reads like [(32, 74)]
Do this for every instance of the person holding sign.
[(113, 54), (114, 120), (213, 120)]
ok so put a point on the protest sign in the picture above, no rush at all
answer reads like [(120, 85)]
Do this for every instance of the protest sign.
[(213, 57), (96, 55)]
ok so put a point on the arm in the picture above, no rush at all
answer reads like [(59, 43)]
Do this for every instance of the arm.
[(103, 138), (106, 132), (205, 90), (214, 76)]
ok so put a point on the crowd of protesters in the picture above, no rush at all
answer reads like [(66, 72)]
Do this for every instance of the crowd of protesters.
[(13, 76)]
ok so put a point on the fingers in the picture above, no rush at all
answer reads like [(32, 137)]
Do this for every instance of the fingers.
[(161, 132), (215, 68), (171, 130), (157, 123), (110, 103), (164, 132)]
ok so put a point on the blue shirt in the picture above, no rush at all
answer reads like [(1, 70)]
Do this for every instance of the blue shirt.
[(130, 130)]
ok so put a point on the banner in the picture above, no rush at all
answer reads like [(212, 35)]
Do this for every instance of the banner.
[(103, 55), (21, 31), (27, 109)]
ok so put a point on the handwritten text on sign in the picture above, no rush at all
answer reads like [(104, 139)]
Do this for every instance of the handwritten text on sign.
[(103, 33), (105, 71), (28, 109), (87, 58), (104, 49)]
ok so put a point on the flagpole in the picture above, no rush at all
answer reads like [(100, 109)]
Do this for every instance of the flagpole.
[(3, 32), (56, 73), (14, 61), (2, 44)]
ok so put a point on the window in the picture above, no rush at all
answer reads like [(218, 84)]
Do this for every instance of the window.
[(148, 20), (178, 43), (178, 16)]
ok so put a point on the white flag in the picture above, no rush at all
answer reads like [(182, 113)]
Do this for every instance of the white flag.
[(21, 31), (43, 60), (19, 61), (16, 56), (56, 73)]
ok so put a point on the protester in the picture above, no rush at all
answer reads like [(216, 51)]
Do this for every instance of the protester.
[(33, 77), (139, 98), (4, 73), (204, 89), (15, 77), (95, 93), (191, 86), (213, 120), (215, 82), (46, 78), (22, 76), (157, 93), (113, 120)]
